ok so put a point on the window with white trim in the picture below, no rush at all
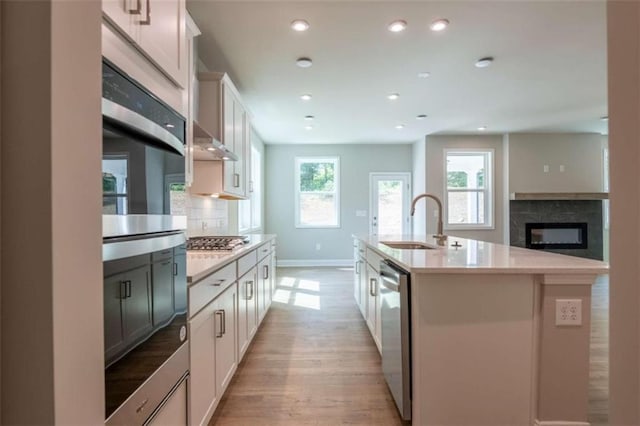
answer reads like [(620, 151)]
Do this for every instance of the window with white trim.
[(317, 192), (469, 189), (250, 210)]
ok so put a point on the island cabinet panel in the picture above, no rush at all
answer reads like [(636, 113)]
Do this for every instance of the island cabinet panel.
[(247, 310), (473, 340), (202, 344), (225, 311), (372, 302)]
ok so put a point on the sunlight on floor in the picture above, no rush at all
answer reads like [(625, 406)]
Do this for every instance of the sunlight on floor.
[(301, 293)]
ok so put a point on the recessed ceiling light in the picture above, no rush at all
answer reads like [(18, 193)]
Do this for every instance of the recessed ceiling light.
[(482, 128), (439, 24), (424, 74), (605, 118), (397, 26), (393, 96), (399, 126), (309, 117), (306, 97), (421, 117), (304, 62), (300, 25), (484, 62), (308, 127)]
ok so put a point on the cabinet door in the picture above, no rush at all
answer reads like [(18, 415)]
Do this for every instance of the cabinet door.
[(180, 281), (137, 306), (114, 293), (246, 311), (162, 291), (364, 288), (239, 146), (202, 352), (174, 410), (272, 275), (120, 14), (263, 270), (225, 332), (162, 36), (372, 280), (357, 270), (378, 308), (228, 135)]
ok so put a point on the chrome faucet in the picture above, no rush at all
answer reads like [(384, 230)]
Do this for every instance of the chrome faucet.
[(440, 237)]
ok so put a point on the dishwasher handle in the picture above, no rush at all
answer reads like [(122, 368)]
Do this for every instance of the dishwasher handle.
[(390, 283)]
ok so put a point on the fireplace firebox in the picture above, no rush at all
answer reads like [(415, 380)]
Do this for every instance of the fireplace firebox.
[(556, 235)]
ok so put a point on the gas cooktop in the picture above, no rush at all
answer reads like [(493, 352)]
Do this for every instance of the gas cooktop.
[(226, 243)]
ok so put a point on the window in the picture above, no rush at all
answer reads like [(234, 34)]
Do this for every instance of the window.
[(250, 211), (469, 184), (114, 184), (317, 192)]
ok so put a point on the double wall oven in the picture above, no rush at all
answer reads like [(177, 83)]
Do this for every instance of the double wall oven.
[(144, 258)]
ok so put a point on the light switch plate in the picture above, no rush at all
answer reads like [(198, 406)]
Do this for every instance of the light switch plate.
[(569, 312)]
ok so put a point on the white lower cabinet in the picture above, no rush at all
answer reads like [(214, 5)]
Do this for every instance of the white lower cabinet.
[(372, 288), (367, 289), (225, 323), (174, 411), (227, 314), (247, 310)]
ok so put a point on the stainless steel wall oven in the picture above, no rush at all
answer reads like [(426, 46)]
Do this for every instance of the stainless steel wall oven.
[(144, 257)]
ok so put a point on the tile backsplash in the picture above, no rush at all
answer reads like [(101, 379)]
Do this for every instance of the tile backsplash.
[(206, 216)]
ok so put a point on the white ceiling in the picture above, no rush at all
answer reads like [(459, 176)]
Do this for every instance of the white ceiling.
[(549, 73)]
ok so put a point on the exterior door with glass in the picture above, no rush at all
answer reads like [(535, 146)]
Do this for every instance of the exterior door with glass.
[(389, 198)]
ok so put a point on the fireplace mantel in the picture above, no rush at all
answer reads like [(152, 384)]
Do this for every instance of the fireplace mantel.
[(533, 196)]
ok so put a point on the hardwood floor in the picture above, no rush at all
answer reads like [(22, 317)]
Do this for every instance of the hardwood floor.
[(599, 365), (313, 361)]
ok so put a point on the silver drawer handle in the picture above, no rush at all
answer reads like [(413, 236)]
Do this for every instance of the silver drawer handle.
[(249, 285), (218, 283), (141, 407), (372, 285), (221, 314)]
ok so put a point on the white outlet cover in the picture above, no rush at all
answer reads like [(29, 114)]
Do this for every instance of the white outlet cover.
[(545, 168), (562, 168), (569, 312)]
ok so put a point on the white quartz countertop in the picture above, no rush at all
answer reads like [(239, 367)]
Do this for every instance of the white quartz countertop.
[(201, 263), (475, 257)]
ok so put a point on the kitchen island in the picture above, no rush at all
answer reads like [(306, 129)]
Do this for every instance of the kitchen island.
[(487, 345)]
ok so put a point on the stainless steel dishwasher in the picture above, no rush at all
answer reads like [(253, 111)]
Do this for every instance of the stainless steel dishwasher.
[(396, 332)]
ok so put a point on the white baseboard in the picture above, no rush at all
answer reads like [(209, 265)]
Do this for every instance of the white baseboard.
[(559, 423), (302, 263)]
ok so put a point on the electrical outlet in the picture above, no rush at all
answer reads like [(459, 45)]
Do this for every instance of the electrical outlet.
[(318, 246), (561, 168), (545, 168), (205, 225), (568, 312)]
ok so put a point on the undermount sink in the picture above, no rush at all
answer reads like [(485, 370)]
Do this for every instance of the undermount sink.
[(408, 245)]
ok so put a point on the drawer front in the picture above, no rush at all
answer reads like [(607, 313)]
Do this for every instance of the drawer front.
[(247, 262), (205, 290), (374, 259), (161, 255), (263, 251), (359, 247)]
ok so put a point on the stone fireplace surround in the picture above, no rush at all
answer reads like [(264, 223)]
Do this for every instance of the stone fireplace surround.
[(572, 208)]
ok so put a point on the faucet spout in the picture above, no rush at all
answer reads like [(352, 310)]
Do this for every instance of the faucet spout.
[(440, 237)]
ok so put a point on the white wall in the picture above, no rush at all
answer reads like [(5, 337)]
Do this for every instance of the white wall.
[(51, 247), (623, 22), (419, 185), (435, 147), (579, 153), (356, 162)]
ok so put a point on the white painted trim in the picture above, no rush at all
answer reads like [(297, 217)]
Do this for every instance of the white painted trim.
[(301, 263), (559, 423), (580, 279)]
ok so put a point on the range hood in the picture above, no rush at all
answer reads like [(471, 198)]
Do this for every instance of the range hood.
[(208, 148)]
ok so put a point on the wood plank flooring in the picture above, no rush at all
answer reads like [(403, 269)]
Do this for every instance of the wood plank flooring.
[(313, 361)]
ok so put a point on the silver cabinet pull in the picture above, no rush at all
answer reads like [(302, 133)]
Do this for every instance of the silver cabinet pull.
[(123, 289), (372, 284), (147, 21), (236, 180), (221, 314), (249, 286), (141, 407), (224, 322), (175, 269), (250, 186), (218, 283), (265, 272), (166, 263), (357, 269), (136, 11)]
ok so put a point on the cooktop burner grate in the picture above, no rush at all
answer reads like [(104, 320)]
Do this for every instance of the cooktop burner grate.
[(216, 243)]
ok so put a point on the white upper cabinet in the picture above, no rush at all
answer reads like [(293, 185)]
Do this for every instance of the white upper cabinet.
[(158, 30), (192, 84), (221, 113)]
